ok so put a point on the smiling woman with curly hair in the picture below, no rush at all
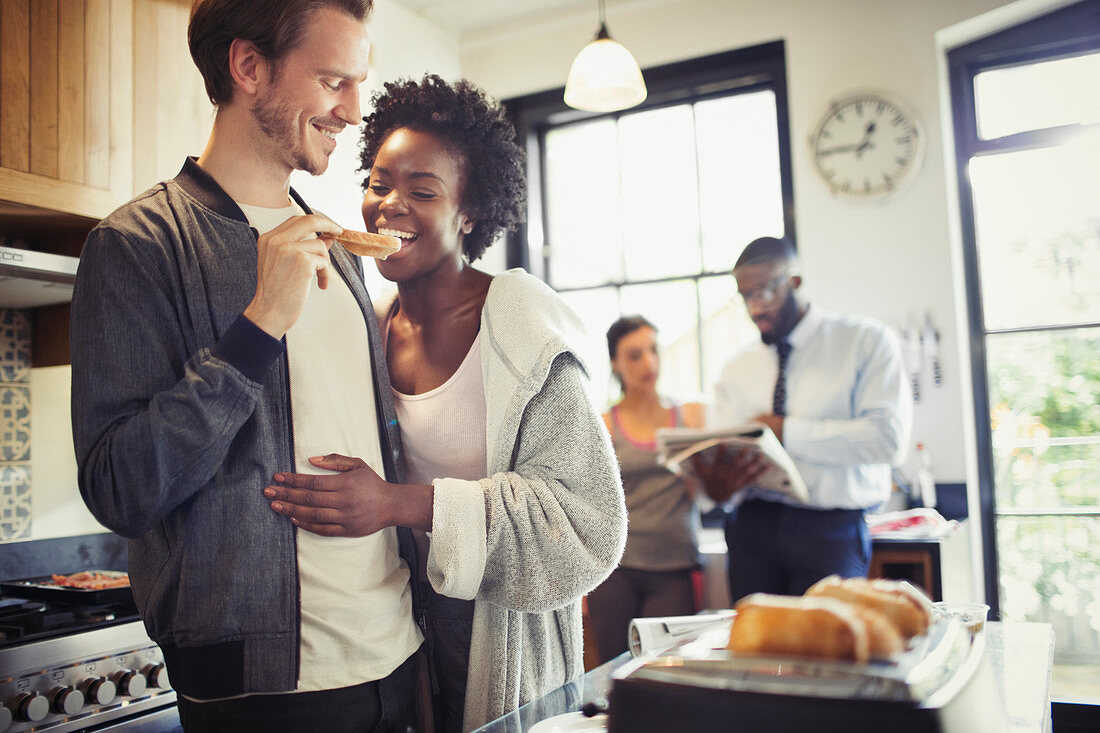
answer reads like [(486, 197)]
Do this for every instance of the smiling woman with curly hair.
[(475, 131), (508, 465)]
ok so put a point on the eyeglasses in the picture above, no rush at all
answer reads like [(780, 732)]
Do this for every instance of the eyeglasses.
[(769, 293)]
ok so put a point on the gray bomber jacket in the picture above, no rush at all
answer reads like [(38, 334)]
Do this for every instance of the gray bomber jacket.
[(181, 415)]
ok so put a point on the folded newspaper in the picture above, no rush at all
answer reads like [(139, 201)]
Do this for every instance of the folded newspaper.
[(676, 445)]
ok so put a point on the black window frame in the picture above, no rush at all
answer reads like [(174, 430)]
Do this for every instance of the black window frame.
[(745, 69), (1068, 31)]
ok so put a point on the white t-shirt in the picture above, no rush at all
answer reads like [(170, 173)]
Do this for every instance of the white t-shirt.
[(356, 601)]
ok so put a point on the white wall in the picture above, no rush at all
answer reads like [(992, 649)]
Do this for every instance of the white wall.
[(889, 260), (57, 509)]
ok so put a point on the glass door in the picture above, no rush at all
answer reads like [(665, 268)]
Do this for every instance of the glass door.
[(1027, 108)]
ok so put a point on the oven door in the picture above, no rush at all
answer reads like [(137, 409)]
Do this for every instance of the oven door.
[(164, 720)]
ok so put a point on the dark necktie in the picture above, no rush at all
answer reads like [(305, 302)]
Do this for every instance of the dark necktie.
[(779, 399)]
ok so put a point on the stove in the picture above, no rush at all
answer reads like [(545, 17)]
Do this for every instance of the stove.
[(67, 666)]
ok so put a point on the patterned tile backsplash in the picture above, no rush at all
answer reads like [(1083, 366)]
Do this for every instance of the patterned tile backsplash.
[(15, 501), (15, 424), (15, 346)]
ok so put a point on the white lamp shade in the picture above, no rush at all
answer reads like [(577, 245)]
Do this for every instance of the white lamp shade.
[(604, 78)]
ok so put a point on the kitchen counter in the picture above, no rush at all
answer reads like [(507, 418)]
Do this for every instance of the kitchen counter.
[(1020, 655)]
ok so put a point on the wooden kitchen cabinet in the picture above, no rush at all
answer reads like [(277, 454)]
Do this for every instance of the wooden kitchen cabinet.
[(940, 567), (172, 114), (66, 104), (917, 562), (99, 100)]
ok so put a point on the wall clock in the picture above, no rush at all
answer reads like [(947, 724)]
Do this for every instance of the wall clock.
[(867, 146)]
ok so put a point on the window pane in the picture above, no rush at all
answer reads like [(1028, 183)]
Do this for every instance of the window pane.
[(1045, 418), (584, 216), (672, 308), (1037, 96), (1035, 217), (1050, 572), (598, 309), (739, 176), (660, 201), (726, 325)]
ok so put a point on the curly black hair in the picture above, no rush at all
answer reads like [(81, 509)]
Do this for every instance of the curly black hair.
[(472, 126)]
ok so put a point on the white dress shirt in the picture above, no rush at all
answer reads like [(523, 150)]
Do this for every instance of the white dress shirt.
[(849, 408)]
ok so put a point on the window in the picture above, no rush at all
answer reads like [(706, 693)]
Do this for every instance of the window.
[(645, 211), (1027, 127)]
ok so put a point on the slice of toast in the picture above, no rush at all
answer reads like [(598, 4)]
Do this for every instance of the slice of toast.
[(365, 244)]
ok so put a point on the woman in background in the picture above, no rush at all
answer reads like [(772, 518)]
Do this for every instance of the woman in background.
[(656, 574)]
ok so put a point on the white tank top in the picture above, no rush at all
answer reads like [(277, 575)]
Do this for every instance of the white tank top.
[(443, 429), (443, 435)]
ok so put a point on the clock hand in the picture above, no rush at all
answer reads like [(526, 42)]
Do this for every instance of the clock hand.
[(864, 146), (839, 149), (866, 142), (858, 147)]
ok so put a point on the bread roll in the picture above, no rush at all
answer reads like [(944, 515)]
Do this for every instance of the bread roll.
[(897, 605), (365, 244), (883, 638), (810, 627), (910, 594)]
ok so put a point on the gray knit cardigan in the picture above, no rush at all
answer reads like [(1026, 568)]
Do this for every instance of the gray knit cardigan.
[(548, 524)]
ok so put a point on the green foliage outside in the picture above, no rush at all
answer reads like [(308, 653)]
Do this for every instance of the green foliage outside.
[(1045, 417)]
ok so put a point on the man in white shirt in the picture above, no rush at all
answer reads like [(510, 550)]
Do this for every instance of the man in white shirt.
[(218, 340), (832, 388)]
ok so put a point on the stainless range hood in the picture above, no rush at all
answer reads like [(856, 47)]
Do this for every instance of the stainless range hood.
[(33, 279)]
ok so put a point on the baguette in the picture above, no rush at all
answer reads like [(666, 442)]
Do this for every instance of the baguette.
[(911, 595), (799, 626), (888, 598), (365, 244), (883, 638)]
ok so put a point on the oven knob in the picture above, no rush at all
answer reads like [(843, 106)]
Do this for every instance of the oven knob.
[(31, 706), (98, 690), (5, 717), (66, 700), (156, 674), (129, 682)]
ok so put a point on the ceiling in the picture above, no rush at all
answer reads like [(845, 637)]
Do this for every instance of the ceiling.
[(466, 16)]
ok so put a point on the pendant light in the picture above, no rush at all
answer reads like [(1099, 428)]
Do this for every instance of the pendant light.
[(604, 76)]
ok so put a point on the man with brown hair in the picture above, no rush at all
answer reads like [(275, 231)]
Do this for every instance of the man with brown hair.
[(239, 345)]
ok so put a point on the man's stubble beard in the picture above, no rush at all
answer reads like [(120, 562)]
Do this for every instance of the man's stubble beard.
[(786, 319), (276, 121)]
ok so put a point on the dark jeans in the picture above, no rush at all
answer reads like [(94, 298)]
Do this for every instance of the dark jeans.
[(383, 706), (628, 594), (776, 548), (450, 624)]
